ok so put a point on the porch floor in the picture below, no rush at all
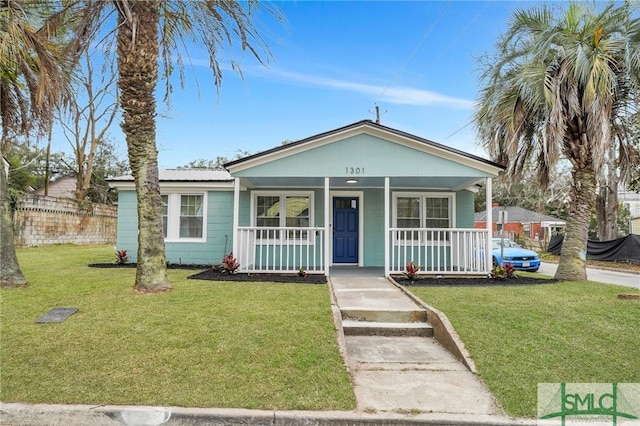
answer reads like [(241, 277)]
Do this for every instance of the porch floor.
[(354, 271)]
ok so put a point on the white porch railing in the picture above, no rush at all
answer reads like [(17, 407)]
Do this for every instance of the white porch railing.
[(439, 251), (281, 249)]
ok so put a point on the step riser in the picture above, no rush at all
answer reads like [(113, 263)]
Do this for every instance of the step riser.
[(385, 316), (388, 332)]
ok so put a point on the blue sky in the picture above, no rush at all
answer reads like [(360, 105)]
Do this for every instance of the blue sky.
[(332, 63)]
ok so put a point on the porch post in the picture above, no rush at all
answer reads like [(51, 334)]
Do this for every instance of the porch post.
[(327, 233), (489, 222), (387, 263), (236, 216)]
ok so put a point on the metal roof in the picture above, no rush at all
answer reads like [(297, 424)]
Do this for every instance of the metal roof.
[(516, 214), (184, 175)]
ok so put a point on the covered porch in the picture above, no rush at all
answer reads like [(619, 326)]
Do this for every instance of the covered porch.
[(351, 228), (364, 195)]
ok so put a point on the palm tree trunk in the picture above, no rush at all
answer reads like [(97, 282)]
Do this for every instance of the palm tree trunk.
[(573, 258), (10, 272), (138, 69)]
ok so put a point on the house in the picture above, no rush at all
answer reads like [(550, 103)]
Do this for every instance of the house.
[(364, 194), (62, 187), (521, 222), (632, 201)]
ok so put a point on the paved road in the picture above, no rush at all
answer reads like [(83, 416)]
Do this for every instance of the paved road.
[(626, 279)]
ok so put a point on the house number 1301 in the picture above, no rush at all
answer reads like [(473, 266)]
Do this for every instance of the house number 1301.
[(355, 170)]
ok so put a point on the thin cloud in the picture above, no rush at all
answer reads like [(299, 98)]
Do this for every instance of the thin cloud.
[(395, 95), (402, 95)]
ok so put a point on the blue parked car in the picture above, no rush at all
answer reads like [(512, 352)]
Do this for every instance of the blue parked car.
[(521, 258)]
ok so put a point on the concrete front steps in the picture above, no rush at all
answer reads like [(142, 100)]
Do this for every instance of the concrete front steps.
[(398, 323)]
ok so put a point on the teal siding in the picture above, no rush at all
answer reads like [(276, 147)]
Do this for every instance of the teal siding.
[(373, 244), (219, 231), (219, 234), (220, 225), (373, 156), (464, 209), (127, 234)]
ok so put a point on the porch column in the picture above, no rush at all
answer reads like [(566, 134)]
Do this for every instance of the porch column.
[(327, 233), (489, 222), (236, 215), (387, 209)]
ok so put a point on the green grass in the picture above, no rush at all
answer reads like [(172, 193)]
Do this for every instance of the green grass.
[(206, 344), (573, 332)]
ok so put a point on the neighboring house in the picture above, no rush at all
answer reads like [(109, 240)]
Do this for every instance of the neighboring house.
[(521, 222), (632, 201), (364, 194), (62, 187)]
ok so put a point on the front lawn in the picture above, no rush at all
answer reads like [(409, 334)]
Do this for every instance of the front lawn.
[(519, 336), (206, 344)]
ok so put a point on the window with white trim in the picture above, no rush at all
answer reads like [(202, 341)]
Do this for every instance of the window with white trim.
[(183, 216), (413, 210), (291, 210)]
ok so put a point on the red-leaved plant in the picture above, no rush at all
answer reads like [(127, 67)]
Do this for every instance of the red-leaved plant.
[(503, 272), (229, 264), (121, 257), (411, 271)]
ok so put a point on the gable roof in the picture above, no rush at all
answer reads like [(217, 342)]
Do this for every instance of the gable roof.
[(365, 126), (62, 187), (516, 214)]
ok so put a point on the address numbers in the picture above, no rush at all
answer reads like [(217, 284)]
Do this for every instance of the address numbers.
[(354, 170)]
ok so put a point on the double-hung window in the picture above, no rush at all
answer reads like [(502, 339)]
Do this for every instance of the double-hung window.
[(414, 210), (184, 217), (279, 210)]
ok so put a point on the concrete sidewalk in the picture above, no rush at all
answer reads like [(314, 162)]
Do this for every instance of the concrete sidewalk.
[(393, 369)]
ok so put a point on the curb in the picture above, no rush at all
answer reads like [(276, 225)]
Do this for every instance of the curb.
[(49, 414)]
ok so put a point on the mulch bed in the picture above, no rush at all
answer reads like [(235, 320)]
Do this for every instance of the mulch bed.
[(470, 282), (133, 265), (212, 275)]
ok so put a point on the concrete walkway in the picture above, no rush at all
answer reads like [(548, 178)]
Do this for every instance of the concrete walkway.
[(396, 364)]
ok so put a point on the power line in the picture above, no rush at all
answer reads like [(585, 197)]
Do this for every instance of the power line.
[(416, 50), (460, 129)]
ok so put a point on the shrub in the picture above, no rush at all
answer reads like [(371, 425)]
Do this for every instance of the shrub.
[(229, 264), (503, 272), (121, 257), (302, 272), (411, 271)]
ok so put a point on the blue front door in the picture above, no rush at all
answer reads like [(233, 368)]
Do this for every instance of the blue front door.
[(345, 230)]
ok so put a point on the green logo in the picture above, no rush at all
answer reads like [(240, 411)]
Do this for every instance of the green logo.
[(592, 403)]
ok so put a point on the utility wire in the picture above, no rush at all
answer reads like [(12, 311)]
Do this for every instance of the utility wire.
[(460, 129), (416, 50)]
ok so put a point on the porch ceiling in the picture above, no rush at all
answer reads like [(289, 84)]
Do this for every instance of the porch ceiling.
[(450, 183)]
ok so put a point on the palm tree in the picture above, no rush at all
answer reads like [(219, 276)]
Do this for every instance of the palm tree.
[(34, 80), (146, 31), (552, 92)]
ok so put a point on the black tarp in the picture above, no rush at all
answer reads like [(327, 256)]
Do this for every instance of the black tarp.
[(625, 249)]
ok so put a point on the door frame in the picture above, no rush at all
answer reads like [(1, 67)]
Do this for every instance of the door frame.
[(360, 196)]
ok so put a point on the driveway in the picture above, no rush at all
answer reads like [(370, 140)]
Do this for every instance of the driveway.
[(627, 279)]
